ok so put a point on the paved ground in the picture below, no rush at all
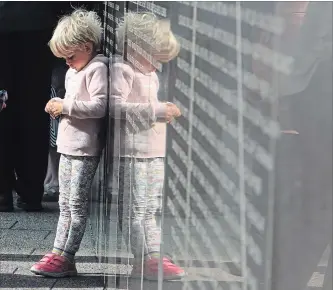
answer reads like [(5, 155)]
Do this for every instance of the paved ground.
[(25, 237)]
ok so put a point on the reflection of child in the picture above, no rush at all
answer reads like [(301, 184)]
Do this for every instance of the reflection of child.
[(142, 138), (76, 39)]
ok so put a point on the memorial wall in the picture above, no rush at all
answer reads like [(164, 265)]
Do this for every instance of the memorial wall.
[(243, 185), (221, 157)]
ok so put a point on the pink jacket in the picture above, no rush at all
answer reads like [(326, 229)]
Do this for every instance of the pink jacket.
[(84, 106), (140, 127)]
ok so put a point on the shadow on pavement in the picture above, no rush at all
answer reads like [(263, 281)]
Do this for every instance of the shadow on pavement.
[(18, 281)]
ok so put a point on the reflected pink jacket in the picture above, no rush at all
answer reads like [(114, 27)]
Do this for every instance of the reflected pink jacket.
[(140, 125)]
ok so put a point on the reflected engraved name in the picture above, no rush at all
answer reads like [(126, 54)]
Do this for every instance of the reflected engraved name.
[(213, 165), (265, 21), (113, 5), (250, 80), (155, 8), (147, 56), (263, 157), (254, 216), (269, 57), (267, 126)]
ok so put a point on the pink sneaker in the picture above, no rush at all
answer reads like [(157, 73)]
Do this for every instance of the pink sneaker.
[(57, 267), (46, 259), (170, 270)]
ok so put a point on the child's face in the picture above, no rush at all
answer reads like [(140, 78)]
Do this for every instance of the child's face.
[(80, 57)]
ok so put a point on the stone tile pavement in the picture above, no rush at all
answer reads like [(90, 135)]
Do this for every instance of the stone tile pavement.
[(26, 237)]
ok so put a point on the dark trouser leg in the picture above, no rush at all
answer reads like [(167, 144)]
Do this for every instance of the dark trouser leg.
[(6, 162), (51, 182), (6, 122), (32, 90)]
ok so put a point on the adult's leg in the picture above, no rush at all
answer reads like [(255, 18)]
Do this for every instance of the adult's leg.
[(6, 121), (32, 90), (49, 172), (51, 182)]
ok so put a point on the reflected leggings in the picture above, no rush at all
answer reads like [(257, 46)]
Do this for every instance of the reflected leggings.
[(76, 175), (140, 188)]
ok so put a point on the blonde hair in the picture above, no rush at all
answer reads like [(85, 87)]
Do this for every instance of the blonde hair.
[(147, 32), (75, 30)]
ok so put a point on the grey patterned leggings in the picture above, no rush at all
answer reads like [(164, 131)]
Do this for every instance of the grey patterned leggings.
[(76, 174), (140, 188)]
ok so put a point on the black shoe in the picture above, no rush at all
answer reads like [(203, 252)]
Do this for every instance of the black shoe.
[(34, 207), (6, 203), (30, 207), (51, 196), (6, 208)]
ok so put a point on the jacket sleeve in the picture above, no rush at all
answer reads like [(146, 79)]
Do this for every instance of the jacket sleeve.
[(97, 86), (122, 77)]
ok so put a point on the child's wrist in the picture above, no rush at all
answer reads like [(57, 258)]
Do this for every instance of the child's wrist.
[(65, 107), (160, 110)]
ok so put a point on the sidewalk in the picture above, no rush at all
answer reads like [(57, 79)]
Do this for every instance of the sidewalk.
[(25, 238)]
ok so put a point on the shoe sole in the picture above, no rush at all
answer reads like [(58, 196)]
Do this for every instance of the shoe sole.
[(55, 275)]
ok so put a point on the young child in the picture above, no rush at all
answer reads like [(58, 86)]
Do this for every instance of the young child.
[(140, 136), (76, 38)]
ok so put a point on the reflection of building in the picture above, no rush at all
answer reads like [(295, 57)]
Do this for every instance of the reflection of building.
[(223, 174)]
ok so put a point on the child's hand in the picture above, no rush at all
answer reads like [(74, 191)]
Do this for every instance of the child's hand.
[(56, 109), (172, 111), (48, 107)]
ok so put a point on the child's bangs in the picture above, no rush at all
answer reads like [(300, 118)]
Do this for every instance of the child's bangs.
[(60, 48)]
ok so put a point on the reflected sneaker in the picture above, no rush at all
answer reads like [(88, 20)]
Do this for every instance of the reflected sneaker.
[(150, 272), (57, 267)]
